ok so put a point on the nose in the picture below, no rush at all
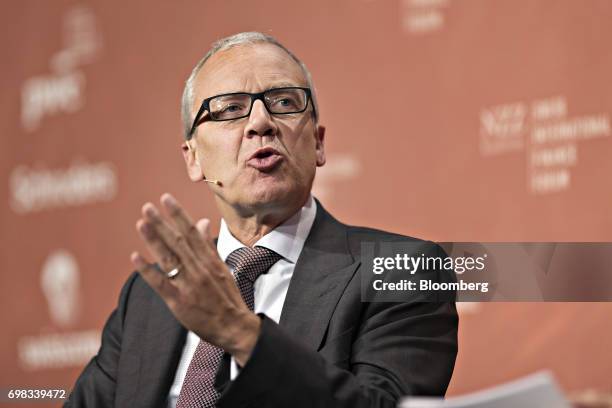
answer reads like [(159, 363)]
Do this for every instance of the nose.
[(260, 121)]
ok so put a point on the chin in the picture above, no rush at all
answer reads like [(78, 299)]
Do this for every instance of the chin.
[(271, 193)]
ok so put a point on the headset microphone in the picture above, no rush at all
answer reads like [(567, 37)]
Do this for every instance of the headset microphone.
[(215, 182)]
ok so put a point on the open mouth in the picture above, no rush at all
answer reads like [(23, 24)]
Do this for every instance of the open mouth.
[(265, 159), (263, 154)]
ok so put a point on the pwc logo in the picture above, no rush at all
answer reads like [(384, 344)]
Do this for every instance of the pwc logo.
[(63, 89)]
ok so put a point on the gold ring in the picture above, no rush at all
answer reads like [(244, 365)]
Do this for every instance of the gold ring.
[(174, 273)]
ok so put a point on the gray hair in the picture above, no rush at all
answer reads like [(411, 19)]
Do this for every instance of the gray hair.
[(245, 38)]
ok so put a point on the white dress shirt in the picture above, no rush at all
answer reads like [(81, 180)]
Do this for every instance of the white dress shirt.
[(270, 289)]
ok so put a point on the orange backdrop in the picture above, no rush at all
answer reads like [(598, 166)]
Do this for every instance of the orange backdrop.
[(448, 120)]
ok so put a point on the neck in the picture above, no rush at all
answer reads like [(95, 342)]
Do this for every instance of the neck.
[(249, 225)]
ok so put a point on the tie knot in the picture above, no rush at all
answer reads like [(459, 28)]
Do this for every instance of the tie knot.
[(249, 263)]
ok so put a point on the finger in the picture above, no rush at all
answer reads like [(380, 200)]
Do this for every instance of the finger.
[(219, 268), (157, 247), (203, 227), (155, 278), (177, 243), (184, 224)]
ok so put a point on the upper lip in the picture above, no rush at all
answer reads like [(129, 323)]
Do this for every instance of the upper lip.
[(264, 150)]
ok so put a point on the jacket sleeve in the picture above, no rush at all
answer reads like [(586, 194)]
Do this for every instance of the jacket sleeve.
[(400, 349), (96, 385)]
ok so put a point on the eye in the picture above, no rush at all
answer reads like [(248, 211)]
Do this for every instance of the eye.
[(284, 103), (231, 108)]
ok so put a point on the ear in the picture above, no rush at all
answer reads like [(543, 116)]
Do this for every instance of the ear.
[(191, 161), (320, 146)]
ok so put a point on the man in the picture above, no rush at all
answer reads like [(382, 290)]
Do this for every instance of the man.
[(289, 328)]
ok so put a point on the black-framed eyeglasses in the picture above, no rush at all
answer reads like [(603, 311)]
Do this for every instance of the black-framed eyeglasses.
[(237, 105)]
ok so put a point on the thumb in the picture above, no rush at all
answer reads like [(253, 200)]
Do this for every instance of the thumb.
[(203, 227)]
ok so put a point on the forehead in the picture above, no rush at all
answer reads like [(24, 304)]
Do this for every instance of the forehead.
[(248, 68)]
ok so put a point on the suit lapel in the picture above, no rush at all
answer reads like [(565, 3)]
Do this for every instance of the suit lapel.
[(160, 355), (323, 270)]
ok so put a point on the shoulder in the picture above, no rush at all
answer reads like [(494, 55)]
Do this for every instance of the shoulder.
[(357, 235), (325, 220), (355, 232), (136, 295)]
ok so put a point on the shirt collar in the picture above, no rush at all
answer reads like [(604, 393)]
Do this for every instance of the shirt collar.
[(287, 239)]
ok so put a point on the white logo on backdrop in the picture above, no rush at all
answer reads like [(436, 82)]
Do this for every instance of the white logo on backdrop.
[(36, 189), (338, 169), (423, 16), (502, 128), (58, 350), (546, 132), (62, 90), (468, 308), (61, 287), (59, 281)]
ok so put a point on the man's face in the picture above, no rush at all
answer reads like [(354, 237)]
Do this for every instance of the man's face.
[(280, 175)]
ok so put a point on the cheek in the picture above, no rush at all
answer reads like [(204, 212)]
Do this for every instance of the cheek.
[(305, 148), (220, 154)]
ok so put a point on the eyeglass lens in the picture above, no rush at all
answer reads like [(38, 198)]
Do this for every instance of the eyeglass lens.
[(280, 101)]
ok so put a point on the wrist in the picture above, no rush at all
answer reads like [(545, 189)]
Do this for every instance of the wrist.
[(244, 339)]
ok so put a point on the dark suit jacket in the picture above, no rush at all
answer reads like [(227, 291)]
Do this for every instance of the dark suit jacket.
[(329, 349)]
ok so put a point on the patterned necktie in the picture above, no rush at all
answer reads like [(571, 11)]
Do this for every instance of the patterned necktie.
[(198, 389)]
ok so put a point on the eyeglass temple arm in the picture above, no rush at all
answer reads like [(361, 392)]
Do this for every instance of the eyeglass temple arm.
[(198, 116)]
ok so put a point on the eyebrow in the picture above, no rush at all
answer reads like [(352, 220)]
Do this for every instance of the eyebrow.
[(283, 84)]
